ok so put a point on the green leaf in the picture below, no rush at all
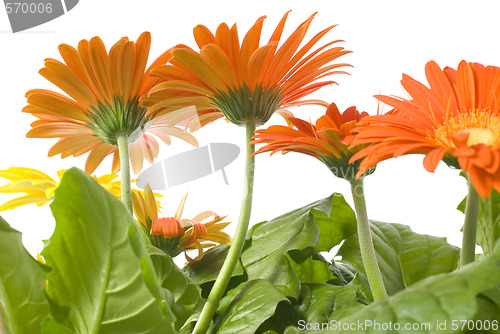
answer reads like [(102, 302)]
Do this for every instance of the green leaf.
[(313, 270), (322, 302), (488, 310), (246, 307), (186, 293), (297, 234), (337, 225), (22, 280), (488, 228), (51, 326), (207, 269), (100, 268), (436, 299), (404, 256)]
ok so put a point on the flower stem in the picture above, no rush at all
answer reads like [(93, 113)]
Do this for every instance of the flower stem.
[(126, 188), (470, 227), (365, 241), (237, 244)]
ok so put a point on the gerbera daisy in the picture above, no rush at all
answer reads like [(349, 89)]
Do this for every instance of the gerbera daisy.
[(329, 140), (101, 113), (247, 83), (456, 119), (174, 234), (38, 188)]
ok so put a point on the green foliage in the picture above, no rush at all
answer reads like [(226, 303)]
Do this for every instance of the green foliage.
[(206, 270), (187, 302), (488, 228), (246, 307), (444, 297), (295, 234), (101, 270), (284, 252), (336, 221), (22, 280), (404, 256), (321, 303), (314, 269), (103, 279), (51, 326)]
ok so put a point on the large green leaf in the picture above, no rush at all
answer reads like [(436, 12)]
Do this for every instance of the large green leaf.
[(297, 234), (488, 229), (100, 268), (314, 269), (51, 326), (186, 293), (442, 298), (488, 310), (321, 303), (207, 269), (336, 221), (22, 280), (404, 257), (246, 307)]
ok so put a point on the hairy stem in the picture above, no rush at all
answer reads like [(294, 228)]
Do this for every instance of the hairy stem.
[(366, 243), (237, 244), (126, 189), (468, 254)]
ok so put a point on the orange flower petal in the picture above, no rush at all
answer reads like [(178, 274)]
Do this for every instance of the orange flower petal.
[(433, 158), (96, 156)]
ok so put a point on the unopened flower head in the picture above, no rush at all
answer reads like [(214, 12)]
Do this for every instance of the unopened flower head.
[(174, 234)]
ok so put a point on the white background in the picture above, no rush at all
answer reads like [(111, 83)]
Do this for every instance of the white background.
[(388, 38)]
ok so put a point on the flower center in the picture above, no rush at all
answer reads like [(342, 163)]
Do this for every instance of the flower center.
[(108, 121), (481, 136), (241, 105), (482, 126), (340, 167)]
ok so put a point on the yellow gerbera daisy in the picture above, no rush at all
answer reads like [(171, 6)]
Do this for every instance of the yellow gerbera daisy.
[(39, 188)]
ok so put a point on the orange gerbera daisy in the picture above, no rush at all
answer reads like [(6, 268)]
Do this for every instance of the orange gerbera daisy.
[(246, 83), (328, 140), (174, 234), (103, 103), (456, 120)]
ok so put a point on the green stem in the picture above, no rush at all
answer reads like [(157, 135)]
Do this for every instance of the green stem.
[(365, 241), (126, 187), (470, 226), (237, 244)]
